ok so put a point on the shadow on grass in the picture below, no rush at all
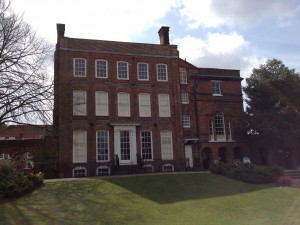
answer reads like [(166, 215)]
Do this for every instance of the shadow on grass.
[(171, 188)]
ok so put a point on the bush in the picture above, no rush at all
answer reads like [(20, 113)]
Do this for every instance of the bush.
[(249, 173), (13, 182), (284, 181)]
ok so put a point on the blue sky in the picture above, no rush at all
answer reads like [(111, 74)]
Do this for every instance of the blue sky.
[(232, 34)]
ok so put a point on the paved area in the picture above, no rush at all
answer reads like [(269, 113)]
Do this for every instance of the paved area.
[(125, 175)]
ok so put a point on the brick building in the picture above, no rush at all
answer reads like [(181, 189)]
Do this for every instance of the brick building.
[(119, 103)]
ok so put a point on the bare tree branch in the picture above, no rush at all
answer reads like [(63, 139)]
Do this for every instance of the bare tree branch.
[(26, 91)]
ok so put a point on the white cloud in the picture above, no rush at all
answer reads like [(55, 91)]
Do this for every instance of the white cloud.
[(220, 43), (94, 19), (214, 13), (219, 50), (197, 13)]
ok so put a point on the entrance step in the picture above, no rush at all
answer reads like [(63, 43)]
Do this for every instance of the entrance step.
[(294, 174), (128, 169)]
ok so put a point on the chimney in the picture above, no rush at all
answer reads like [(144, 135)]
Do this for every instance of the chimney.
[(164, 35), (60, 30)]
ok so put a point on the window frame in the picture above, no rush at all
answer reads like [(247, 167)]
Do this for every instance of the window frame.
[(166, 149), (158, 72), (79, 168), (119, 76), (183, 75), (78, 112), (125, 145), (184, 95), (216, 88), (99, 149), (220, 126), (100, 110), (151, 146), (121, 113), (164, 110), (144, 109), (102, 167), (75, 68), (186, 121), (167, 165), (99, 69), (84, 148), (147, 71)]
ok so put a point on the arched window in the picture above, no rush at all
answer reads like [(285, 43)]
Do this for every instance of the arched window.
[(79, 172), (168, 167), (103, 170), (219, 126)]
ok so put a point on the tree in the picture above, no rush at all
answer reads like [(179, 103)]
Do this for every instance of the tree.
[(273, 107), (25, 88)]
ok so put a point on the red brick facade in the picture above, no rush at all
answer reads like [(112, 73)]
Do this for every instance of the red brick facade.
[(201, 108)]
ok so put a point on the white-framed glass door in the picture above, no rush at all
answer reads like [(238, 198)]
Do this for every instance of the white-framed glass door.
[(125, 144)]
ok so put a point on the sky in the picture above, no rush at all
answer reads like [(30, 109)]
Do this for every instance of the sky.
[(228, 34)]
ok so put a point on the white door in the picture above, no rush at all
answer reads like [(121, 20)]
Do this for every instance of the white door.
[(125, 144), (188, 156)]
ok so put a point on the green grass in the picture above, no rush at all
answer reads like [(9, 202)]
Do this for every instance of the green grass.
[(182, 199)]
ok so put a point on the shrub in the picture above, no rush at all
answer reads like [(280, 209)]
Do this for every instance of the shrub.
[(249, 173), (284, 181), (13, 182)]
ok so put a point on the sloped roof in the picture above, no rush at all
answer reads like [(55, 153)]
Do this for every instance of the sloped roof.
[(24, 131)]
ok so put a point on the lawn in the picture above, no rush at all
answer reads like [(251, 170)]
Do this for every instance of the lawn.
[(177, 199)]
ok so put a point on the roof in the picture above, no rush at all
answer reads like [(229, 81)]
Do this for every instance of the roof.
[(117, 47), (24, 131)]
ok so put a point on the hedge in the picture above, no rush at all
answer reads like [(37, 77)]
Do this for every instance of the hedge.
[(249, 173)]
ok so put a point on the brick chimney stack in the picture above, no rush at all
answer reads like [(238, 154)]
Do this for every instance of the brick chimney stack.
[(164, 35), (60, 30)]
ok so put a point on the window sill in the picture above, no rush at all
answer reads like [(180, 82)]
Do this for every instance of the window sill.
[(217, 95)]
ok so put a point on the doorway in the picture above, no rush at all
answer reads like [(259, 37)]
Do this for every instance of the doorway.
[(188, 156)]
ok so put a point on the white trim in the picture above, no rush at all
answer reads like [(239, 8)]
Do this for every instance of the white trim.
[(74, 66), (81, 108), (186, 121), (108, 150), (99, 109), (167, 165), (138, 71), (184, 98), (106, 62), (79, 168), (132, 144), (84, 157), (127, 66), (102, 167), (168, 154), (144, 98), (121, 113), (219, 93), (141, 142), (166, 67), (183, 73), (164, 109)]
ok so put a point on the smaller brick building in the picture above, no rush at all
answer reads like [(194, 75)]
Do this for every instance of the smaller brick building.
[(33, 143)]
